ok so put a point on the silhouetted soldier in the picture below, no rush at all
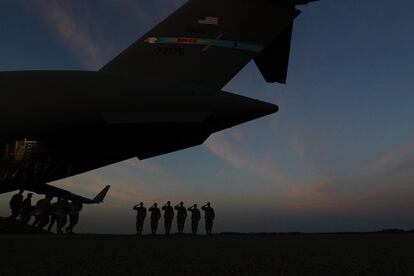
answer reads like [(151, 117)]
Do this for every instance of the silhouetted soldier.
[(41, 212), (181, 216), (209, 216), (155, 217), (44, 212), (53, 215), (15, 204), (195, 218), (62, 211), (168, 217), (36, 212), (141, 215), (26, 209), (74, 209)]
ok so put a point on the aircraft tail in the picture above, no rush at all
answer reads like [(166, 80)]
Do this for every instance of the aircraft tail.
[(207, 42)]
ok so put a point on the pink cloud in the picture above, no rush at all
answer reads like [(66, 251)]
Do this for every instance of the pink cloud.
[(222, 146), (229, 146), (376, 192), (298, 141), (388, 172), (361, 192), (90, 184), (392, 159), (290, 191), (70, 28)]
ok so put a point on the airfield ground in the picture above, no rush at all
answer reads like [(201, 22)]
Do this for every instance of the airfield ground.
[(323, 254)]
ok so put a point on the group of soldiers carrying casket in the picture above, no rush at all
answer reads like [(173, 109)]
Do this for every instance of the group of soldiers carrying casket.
[(46, 213)]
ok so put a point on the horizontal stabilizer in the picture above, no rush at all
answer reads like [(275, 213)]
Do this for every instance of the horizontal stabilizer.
[(273, 61), (101, 196)]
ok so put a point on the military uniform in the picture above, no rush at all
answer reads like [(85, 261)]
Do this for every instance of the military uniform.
[(141, 215), (15, 204), (195, 218), (74, 209), (54, 216), (168, 217), (155, 217), (62, 211), (181, 216), (38, 211), (26, 210), (43, 211), (209, 216)]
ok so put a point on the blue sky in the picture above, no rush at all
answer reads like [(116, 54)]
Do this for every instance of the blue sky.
[(339, 156)]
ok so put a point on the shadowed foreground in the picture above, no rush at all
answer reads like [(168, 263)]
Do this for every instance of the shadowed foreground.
[(349, 254)]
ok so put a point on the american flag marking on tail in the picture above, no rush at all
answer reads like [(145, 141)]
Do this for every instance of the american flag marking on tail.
[(209, 20)]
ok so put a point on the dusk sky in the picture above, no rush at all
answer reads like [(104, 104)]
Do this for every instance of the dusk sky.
[(338, 156)]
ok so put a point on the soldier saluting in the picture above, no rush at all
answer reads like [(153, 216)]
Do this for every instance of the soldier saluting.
[(195, 218), (168, 217), (181, 216), (141, 215), (155, 217), (209, 216)]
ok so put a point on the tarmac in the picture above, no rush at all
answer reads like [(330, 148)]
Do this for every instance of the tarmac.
[(224, 254)]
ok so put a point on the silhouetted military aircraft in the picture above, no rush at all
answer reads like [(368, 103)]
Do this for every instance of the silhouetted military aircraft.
[(162, 94)]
